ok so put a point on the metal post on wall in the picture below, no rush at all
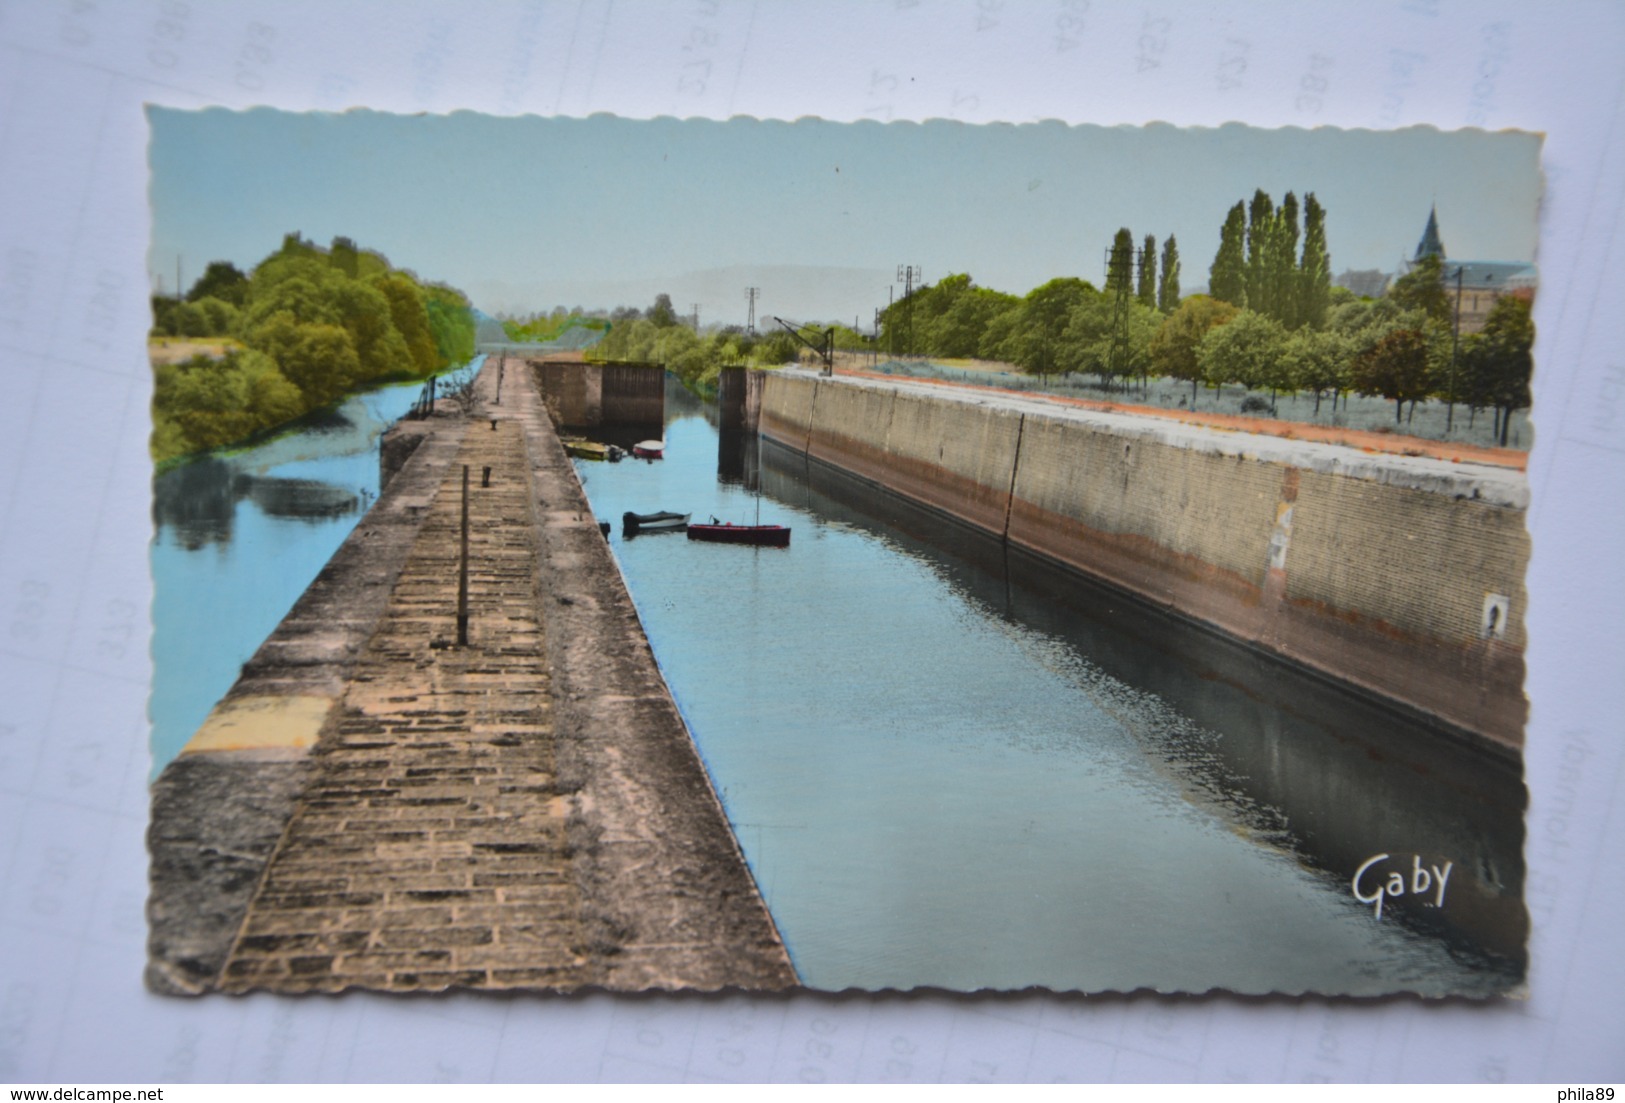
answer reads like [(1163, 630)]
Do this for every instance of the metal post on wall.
[(462, 572)]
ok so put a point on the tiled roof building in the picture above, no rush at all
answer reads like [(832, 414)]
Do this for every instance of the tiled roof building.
[(1475, 286)]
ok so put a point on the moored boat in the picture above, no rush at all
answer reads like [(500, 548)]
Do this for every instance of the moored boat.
[(587, 449), (649, 449), (634, 524), (765, 536)]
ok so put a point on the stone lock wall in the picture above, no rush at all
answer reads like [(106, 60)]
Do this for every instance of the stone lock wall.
[(1400, 575)]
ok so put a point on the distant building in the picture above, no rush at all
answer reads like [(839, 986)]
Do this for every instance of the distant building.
[(1474, 286), (1367, 283)]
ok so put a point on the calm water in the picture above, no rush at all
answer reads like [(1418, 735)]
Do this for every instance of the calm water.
[(953, 766), (239, 536), (947, 764)]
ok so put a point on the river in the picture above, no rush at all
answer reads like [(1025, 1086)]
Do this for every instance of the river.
[(238, 536), (956, 766), (948, 764)]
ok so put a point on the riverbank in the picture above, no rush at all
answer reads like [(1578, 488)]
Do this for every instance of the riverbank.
[(1359, 421), (374, 805), (1400, 575)]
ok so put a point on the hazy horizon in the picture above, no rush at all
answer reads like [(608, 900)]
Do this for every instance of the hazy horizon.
[(525, 214)]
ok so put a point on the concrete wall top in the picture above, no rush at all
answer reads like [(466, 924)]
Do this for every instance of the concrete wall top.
[(1491, 485)]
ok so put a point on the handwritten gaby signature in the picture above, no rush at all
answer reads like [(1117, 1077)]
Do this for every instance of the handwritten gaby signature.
[(1371, 886)]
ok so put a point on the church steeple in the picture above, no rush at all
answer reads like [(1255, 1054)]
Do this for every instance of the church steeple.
[(1430, 245)]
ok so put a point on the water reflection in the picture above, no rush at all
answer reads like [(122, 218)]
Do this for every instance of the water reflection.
[(1291, 759), (950, 764), (198, 500), (238, 537)]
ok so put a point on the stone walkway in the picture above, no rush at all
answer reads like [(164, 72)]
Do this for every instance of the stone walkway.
[(430, 848)]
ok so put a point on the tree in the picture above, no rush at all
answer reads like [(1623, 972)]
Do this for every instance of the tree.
[(410, 316), (1227, 279), (345, 257), (1422, 288), (451, 321), (1120, 264), (1093, 341), (1395, 368), (958, 332), (1244, 350), (219, 317), (1283, 263), (1498, 361), (661, 313), (1173, 351), (1036, 339), (1168, 286), (1320, 362), (220, 280), (1315, 270), (1146, 288), (1260, 247)]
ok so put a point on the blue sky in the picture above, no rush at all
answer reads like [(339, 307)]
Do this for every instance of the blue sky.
[(526, 213)]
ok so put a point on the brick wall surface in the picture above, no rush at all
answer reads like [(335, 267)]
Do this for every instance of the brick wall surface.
[(1220, 509), (1409, 558), (1371, 568)]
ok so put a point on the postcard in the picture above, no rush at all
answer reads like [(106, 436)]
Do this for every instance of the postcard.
[(685, 555)]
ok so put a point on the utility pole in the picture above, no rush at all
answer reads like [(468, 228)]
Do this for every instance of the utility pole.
[(180, 288), (891, 329), (694, 309), (909, 275), (1455, 346), (750, 324)]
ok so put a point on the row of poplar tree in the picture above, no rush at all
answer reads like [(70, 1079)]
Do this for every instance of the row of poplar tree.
[(305, 328), (1271, 322)]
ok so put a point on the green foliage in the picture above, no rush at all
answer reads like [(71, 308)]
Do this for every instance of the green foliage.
[(451, 322), (1145, 288), (1315, 267), (1396, 367), (1168, 285), (1497, 363), (1038, 338), (1320, 362), (662, 314), (1120, 264), (1249, 349), (1260, 245), (1173, 350), (541, 328), (1227, 279), (316, 326), (204, 403), (947, 319), (1422, 288), (1091, 344), (1272, 278), (220, 280), (1282, 264)]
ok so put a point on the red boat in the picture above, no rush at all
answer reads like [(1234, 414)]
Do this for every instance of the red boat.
[(649, 449), (763, 536)]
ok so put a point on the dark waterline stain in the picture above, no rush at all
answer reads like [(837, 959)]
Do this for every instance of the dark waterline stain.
[(953, 763)]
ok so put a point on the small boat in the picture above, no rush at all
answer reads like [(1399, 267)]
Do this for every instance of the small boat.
[(634, 524), (762, 536), (649, 449), (587, 449)]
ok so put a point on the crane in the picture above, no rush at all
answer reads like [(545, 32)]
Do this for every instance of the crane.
[(825, 347)]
